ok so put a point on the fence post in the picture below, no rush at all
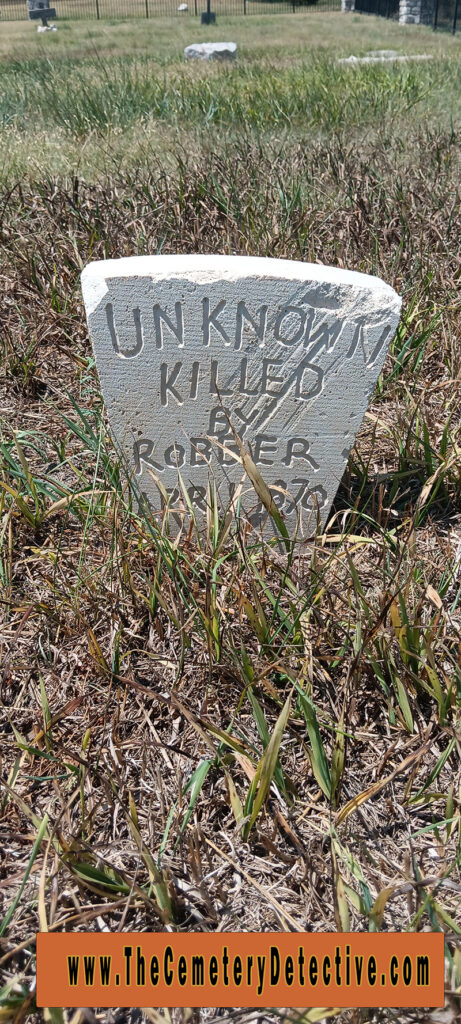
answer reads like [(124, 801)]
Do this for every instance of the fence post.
[(436, 12), (97, 9), (195, 7), (147, 8), (455, 15), (294, 6), (244, 6)]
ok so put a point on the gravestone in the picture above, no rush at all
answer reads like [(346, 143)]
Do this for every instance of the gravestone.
[(211, 51), (196, 354), (40, 10), (374, 59)]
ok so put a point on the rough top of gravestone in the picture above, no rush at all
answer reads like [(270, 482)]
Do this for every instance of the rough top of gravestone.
[(204, 268), (398, 58), (195, 352), (211, 51)]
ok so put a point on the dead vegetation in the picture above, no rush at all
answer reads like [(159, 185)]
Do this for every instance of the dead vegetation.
[(143, 676)]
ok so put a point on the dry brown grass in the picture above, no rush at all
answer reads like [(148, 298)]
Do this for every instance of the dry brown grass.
[(116, 686)]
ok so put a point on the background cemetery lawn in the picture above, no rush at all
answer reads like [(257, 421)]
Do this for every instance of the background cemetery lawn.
[(143, 674), (165, 38), (111, 98)]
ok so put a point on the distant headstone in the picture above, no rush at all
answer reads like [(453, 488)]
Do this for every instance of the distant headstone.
[(383, 57), (40, 10), (211, 51), (194, 352), (389, 54)]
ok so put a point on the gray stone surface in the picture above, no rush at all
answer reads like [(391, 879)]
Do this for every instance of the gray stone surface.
[(211, 51), (40, 10), (416, 12), (382, 53), (411, 12), (384, 60), (288, 352)]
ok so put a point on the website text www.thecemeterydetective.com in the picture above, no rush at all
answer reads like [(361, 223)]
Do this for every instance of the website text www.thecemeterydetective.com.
[(240, 969)]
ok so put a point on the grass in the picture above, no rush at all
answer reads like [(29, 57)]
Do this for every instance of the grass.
[(198, 732), (113, 112), (163, 39), (308, 96)]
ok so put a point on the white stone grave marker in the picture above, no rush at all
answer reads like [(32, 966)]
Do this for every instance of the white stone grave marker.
[(211, 51), (286, 352)]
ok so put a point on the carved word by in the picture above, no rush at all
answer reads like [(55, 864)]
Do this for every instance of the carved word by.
[(194, 350)]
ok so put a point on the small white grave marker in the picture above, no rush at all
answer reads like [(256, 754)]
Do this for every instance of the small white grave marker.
[(286, 352), (211, 51)]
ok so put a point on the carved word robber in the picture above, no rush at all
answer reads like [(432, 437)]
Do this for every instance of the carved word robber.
[(287, 353)]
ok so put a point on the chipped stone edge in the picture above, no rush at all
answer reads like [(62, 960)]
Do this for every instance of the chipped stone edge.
[(203, 269)]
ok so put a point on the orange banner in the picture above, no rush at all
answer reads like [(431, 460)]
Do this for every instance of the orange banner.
[(247, 969)]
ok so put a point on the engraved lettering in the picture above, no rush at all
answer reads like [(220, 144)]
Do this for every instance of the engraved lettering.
[(325, 336), (200, 451), (316, 387), (309, 498), (379, 344), (142, 453), (194, 379), (211, 320), (265, 444), (198, 497), (245, 420), (244, 389), (279, 497), (161, 316), (218, 420), (125, 353), (319, 496), (290, 313), (175, 455), (214, 386), (259, 328), (279, 356), (258, 515), (298, 448), (357, 339), (270, 378), (225, 456), (167, 383), (146, 502), (361, 337), (173, 497)]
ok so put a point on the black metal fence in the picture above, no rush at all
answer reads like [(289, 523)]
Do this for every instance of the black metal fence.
[(383, 8), (16, 10), (439, 14), (442, 14), (446, 14)]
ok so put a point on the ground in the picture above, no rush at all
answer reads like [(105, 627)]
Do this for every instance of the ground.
[(146, 677)]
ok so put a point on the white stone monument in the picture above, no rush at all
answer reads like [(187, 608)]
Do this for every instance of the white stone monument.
[(196, 353), (211, 51)]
